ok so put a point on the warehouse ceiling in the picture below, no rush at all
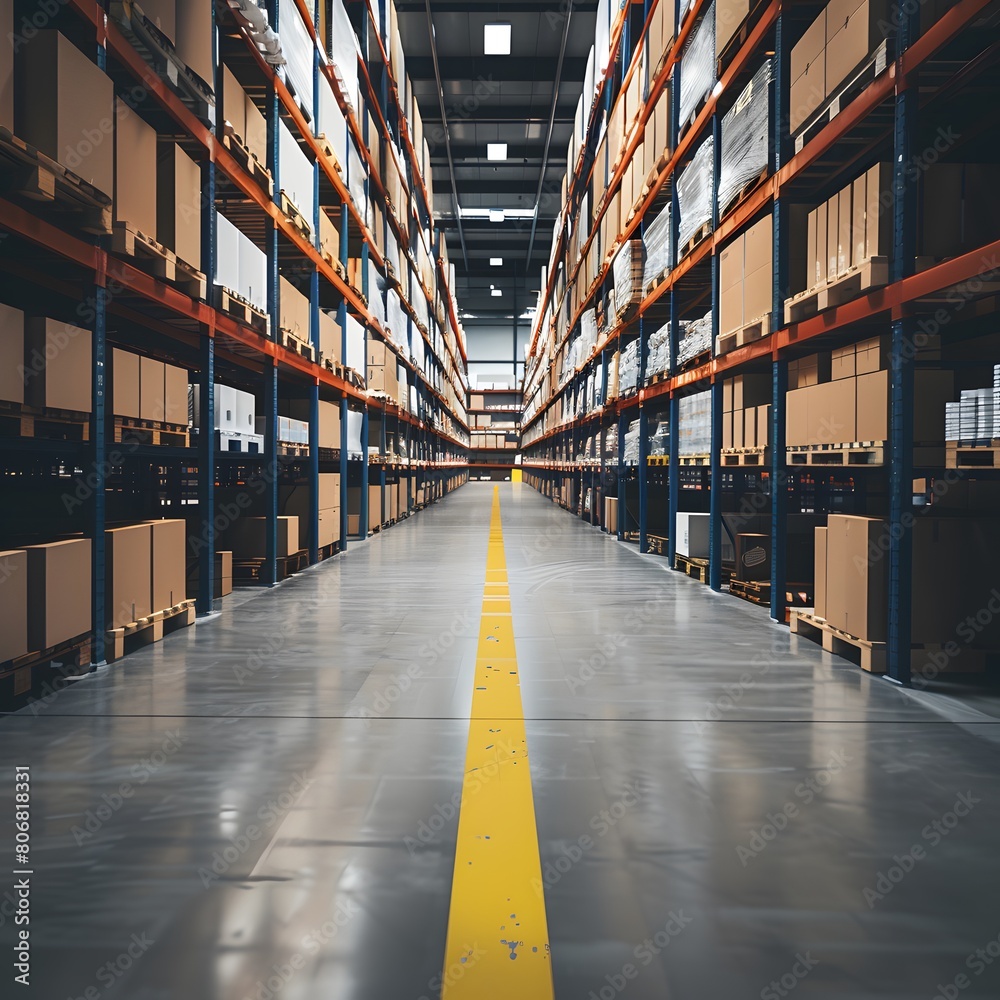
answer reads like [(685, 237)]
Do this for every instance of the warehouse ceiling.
[(497, 99)]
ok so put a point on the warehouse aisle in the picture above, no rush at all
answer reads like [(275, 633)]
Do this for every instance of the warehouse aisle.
[(266, 806)]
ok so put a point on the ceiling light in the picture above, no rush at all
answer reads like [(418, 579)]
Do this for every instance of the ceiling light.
[(496, 293), (496, 39), (496, 151), (496, 261), (497, 215)]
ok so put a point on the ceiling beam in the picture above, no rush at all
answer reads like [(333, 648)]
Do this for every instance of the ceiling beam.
[(502, 68)]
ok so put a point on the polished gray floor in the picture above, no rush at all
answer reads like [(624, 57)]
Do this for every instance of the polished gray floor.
[(263, 805)]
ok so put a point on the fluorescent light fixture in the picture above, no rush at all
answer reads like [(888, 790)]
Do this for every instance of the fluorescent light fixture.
[(496, 293), (486, 213), (496, 261), (496, 151), (496, 39), (497, 215)]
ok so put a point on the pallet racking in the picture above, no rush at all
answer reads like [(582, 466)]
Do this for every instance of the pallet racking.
[(78, 470), (926, 78), (495, 430)]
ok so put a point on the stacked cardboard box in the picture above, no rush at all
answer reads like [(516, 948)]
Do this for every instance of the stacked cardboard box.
[(837, 43), (295, 500), (59, 605), (222, 578), (178, 203), (11, 354), (55, 355), (135, 171), (293, 311), (745, 412), (247, 537), (850, 228), (129, 593), (13, 604), (64, 106), (168, 544), (746, 269), (381, 368), (146, 389)]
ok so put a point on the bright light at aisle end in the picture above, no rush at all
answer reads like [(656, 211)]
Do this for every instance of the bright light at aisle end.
[(496, 151)]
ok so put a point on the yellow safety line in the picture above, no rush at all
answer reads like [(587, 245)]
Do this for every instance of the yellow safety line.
[(498, 939)]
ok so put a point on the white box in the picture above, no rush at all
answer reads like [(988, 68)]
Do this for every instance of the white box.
[(355, 345), (692, 535), (253, 273), (246, 411), (354, 419), (295, 173), (227, 257)]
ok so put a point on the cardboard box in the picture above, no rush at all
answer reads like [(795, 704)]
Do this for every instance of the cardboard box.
[(812, 260), (819, 584), (135, 171), (293, 310), (851, 37), (731, 308), (163, 13), (822, 220), (178, 203), (749, 427), (247, 537), (168, 567), (751, 390), (330, 339), (859, 202), (871, 355), (873, 406), (64, 106), (831, 413), (832, 236), (13, 604), (844, 222), (856, 591), (231, 100), (129, 590), (175, 395), (256, 131), (58, 361), (195, 28), (878, 220), (59, 586), (611, 515), (151, 382), (125, 384), (727, 430), (729, 15), (376, 515), (842, 363), (763, 425), (753, 557), (11, 353), (692, 535), (808, 73), (223, 573)]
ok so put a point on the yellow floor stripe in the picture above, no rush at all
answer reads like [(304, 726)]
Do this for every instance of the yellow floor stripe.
[(498, 941)]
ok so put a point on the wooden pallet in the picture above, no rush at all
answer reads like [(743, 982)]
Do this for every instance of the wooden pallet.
[(333, 366), (657, 545), (128, 638), (286, 450), (759, 592), (28, 173), (696, 362), (128, 430), (862, 278), (694, 460), (21, 420), (73, 656), (873, 67), (844, 455), (158, 260), (297, 219), (326, 148), (292, 343), (251, 570), (702, 233), (746, 457), (972, 456), (657, 459), (248, 160), (335, 263), (697, 569), (738, 197), (241, 311), (746, 334), (159, 53)]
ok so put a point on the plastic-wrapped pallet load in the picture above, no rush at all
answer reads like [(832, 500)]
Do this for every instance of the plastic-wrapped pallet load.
[(628, 276), (297, 48), (356, 176), (331, 124), (631, 450), (696, 338), (659, 255), (342, 45), (694, 193), (659, 438), (628, 369), (658, 359), (745, 133), (611, 443), (698, 66), (694, 430)]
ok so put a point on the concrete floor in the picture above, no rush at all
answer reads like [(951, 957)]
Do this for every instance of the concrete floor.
[(263, 805)]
